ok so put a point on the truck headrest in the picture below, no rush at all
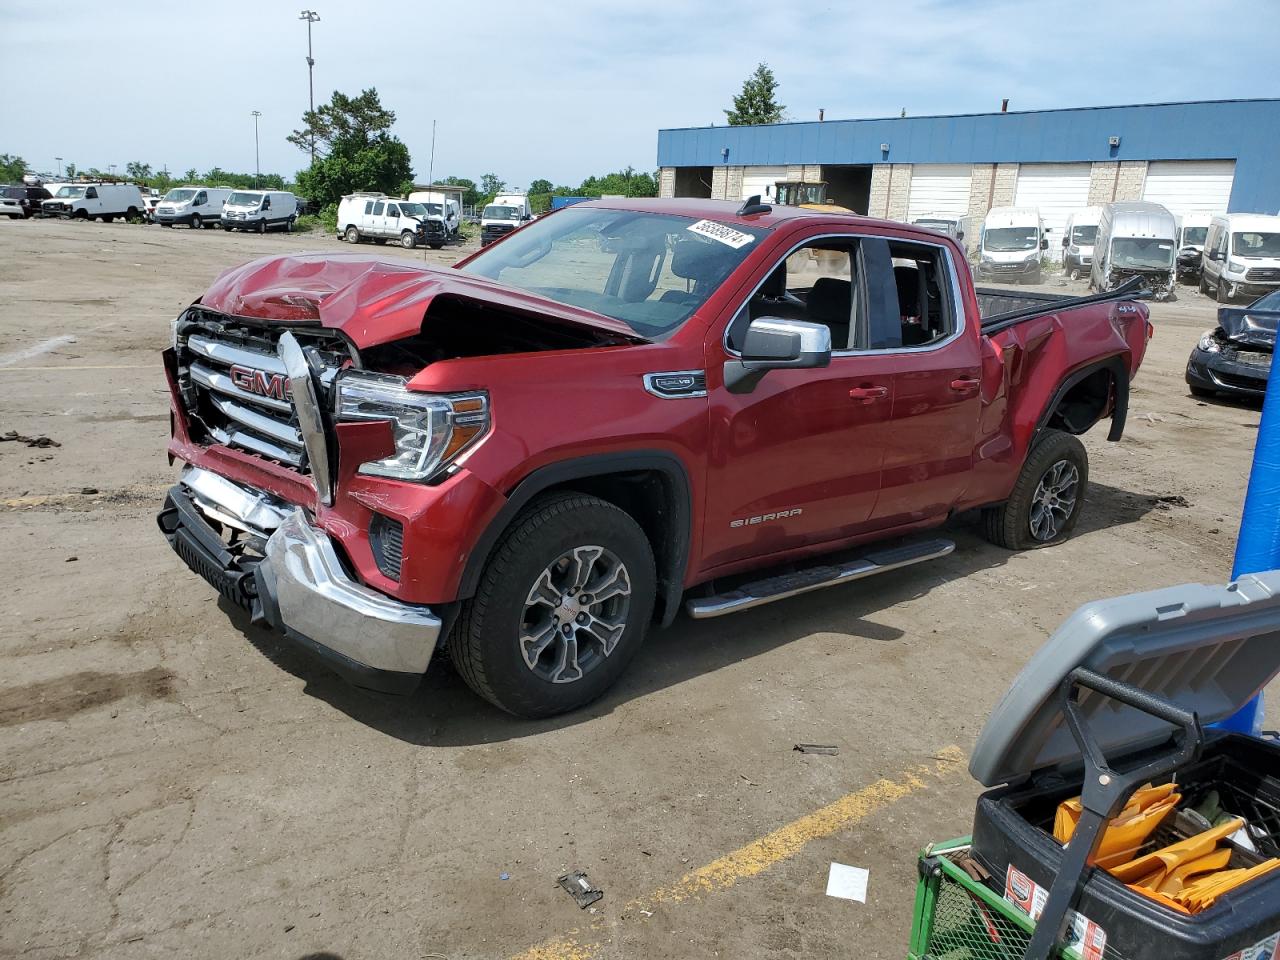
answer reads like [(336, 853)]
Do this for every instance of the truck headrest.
[(698, 261)]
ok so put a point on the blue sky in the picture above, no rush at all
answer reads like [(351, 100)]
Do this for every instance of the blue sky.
[(563, 90)]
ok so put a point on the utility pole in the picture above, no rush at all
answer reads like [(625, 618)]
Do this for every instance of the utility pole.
[(256, 174), (311, 17), (431, 165), (59, 159)]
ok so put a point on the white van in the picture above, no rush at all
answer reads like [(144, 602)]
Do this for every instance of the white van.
[(442, 207), (1077, 241), (1136, 238), (1012, 243), (260, 210), (1241, 256), (84, 201), (507, 212), (195, 206), (375, 216), (954, 226)]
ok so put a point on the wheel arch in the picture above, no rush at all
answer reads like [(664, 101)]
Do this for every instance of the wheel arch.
[(1080, 401), (652, 486)]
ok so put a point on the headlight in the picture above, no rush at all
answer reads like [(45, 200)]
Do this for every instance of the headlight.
[(1207, 343), (1235, 266), (430, 429)]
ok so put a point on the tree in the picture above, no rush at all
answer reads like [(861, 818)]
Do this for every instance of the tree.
[(470, 196), (756, 103), (540, 186), (71, 171), (138, 171), (626, 183), (354, 149), (12, 168), (491, 185), (192, 175)]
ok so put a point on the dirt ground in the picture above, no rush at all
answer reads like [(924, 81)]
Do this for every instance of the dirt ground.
[(176, 783)]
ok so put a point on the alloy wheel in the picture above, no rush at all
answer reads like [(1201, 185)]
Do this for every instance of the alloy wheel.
[(575, 614), (1054, 500)]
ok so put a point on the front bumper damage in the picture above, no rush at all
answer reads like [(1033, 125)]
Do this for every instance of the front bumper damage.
[(265, 556)]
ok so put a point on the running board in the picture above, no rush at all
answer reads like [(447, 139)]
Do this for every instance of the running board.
[(760, 592)]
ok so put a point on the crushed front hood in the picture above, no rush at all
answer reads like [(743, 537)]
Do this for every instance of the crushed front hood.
[(374, 301), (1254, 328)]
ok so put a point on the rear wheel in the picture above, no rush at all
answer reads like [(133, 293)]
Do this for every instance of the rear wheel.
[(353, 235), (1047, 498), (407, 240), (562, 606), (288, 224)]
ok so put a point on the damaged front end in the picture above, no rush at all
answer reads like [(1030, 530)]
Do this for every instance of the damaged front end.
[(1159, 282), (1234, 357)]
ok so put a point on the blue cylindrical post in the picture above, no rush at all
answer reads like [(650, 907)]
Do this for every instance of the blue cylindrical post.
[(1258, 547)]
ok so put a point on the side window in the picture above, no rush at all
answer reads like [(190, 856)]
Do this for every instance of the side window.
[(377, 208), (91, 193), (201, 199), (368, 206), (393, 210), (816, 284), (909, 294)]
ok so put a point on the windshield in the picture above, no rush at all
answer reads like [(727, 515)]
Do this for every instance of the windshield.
[(1008, 239), (1194, 236), (1084, 236), (1268, 301), (1141, 253), (651, 271), (242, 199), (496, 211), (179, 196), (1253, 245), (71, 192), (420, 209)]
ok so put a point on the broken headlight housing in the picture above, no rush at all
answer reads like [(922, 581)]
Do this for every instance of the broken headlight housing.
[(1208, 343), (430, 429)]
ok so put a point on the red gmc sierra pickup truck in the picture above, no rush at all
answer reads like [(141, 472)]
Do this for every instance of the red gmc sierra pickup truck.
[(623, 407)]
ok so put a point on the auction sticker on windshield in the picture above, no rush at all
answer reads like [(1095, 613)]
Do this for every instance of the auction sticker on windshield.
[(718, 231)]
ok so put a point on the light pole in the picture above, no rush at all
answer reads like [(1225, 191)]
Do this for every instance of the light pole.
[(256, 174), (59, 159), (311, 17)]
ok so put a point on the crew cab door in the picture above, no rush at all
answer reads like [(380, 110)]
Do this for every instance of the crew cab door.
[(796, 460), (920, 322)]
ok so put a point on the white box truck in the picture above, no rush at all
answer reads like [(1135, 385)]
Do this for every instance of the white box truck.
[(507, 212)]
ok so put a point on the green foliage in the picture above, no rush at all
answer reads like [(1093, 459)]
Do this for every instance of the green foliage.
[(540, 186), (12, 168), (192, 175), (491, 185), (471, 196), (626, 183), (71, 171), (354, 149), (757, 102), (326, 221), (138, 171)]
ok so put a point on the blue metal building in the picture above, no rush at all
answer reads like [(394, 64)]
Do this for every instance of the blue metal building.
[(1203, 157)]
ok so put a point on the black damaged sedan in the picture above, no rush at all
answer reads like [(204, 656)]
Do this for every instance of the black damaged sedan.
[(1235, 357)]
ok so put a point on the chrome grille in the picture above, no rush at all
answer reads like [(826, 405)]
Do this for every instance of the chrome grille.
[(235, 386)]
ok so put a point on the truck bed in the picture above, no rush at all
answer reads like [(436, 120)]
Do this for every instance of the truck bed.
[(1000, 307)]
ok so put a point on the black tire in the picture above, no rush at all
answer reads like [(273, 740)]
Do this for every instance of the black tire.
[(1204, 287), (131, 214), (484, 644), (1220, 292), (352, 235), (288, 224), (408, 240), (81, 215), (196, 222), (1010, 524)]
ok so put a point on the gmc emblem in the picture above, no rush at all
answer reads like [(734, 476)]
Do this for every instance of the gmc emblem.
[(274, 385)]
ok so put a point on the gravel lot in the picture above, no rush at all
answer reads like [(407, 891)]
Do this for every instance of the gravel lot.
[(174, 783)]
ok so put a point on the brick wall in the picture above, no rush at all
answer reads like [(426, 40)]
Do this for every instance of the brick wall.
[(1006, 185), (719, 175), (899, 191), (733, 184), (878, 199), (1130, 179), (667, 182), (1110, 180), (1102, 182)]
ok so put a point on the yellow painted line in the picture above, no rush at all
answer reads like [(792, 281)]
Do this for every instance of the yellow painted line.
[(758, 856)]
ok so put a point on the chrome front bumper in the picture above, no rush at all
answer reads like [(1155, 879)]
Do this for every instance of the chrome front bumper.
[(298, 585)]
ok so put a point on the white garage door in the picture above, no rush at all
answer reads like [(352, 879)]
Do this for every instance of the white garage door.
[(761, 180), (1190, 186), (939, 188), (1056, 189)]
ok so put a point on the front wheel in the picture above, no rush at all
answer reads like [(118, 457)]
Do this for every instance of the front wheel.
[(262, 225), (1223, 292), (196, 222), (407, 240), (1047, 498), (562, 606)]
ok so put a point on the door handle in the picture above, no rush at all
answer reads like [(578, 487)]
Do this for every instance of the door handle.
[(868, 393), (965, 384)]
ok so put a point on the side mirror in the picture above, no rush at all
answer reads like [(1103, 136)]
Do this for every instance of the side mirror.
[(959, 234), (1044, 243), (772, 343)]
